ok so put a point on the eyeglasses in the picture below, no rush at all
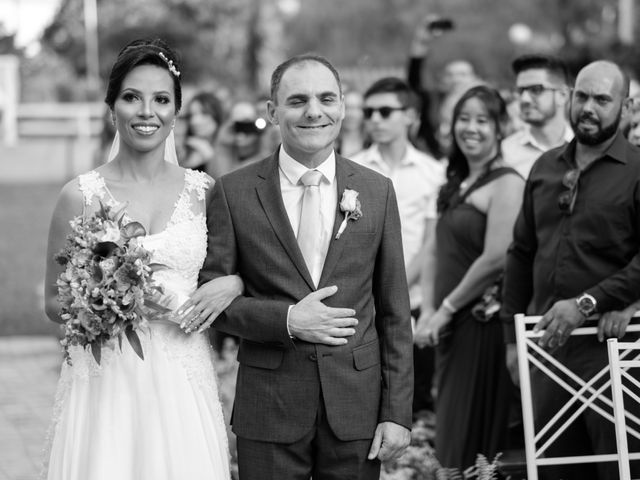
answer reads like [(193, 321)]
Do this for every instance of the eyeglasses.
[(534, 90), (567, 199), (385, 112)]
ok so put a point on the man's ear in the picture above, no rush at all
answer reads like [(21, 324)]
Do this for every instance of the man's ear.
[(412, 115), (271, 112), (627, 103), (342, 107), (565, 92)]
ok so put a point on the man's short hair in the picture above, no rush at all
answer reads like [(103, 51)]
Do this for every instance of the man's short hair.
[(394, 85), (276, 76), (553, 65)]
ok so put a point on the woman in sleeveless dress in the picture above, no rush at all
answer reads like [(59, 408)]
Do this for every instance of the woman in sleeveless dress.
[(477, 209), (159, 418)]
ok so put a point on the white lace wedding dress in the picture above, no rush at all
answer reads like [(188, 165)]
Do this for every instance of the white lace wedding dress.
[(154, 419)]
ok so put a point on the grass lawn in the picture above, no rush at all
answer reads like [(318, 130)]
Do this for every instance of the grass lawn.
[(25, 213)]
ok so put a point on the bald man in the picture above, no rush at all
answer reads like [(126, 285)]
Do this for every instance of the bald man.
[(575, 254)]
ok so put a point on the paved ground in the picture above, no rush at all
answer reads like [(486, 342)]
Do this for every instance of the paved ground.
[(29, 368)]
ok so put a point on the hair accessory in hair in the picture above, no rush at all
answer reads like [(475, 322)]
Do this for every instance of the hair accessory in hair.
[(170, 65)]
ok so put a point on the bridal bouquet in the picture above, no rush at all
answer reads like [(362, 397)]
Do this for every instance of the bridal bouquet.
[(106, 287)]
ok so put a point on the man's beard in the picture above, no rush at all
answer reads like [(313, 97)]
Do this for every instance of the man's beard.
[(599, 136), (539, 118)]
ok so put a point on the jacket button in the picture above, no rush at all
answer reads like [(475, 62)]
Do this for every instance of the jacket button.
[(313, 357)]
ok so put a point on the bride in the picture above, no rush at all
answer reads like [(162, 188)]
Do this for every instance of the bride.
[(157, 418)]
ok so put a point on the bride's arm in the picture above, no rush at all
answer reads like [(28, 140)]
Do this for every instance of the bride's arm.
[(212, 298), (68, 206), (209, 301)]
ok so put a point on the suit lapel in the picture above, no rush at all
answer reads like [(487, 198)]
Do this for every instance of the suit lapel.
[(343, 178), (270, 197)]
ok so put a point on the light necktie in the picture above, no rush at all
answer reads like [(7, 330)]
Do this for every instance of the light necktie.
[(309, 229)]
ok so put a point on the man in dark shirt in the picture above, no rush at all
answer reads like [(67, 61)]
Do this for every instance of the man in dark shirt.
[(576, 253)]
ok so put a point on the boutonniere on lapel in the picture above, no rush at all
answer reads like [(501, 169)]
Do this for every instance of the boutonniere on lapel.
[(350, 206)]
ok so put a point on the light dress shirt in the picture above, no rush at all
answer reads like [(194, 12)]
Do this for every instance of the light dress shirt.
[(520, 150), (417, 180), (292, 190)]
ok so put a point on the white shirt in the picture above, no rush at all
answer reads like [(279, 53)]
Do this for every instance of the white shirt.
[(520, 150), (292, 190), (417, 180)]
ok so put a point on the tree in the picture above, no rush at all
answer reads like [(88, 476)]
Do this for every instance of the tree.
[(216, 39), (236, 43)]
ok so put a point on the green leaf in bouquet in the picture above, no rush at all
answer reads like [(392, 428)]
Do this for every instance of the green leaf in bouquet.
[(104, 210), (120, 342), (96, 350), (118, 216), (156, 306), (132, 230), (134, 341), (157, 266)]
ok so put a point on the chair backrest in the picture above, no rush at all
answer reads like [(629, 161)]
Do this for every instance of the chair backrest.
[(591, 393), (624, 356)]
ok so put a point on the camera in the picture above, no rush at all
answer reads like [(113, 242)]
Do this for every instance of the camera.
[(440, 25), (249, 127)]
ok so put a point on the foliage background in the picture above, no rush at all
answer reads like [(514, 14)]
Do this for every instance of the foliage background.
[(234, 44)]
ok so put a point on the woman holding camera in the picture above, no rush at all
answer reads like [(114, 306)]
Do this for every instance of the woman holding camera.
[(241, 139)]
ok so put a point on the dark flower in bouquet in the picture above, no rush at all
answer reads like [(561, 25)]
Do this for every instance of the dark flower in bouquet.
[(106, 288)]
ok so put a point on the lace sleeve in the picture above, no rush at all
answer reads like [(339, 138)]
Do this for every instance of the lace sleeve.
[(91, 185), (198, 183)]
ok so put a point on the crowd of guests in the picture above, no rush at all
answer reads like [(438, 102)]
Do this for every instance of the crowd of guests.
[(482, 179)]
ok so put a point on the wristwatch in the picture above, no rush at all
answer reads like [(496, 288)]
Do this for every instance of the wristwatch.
[(586, 304)]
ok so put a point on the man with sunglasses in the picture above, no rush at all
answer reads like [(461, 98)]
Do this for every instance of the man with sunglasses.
[(389, 112), (542, 92), (576, 254)]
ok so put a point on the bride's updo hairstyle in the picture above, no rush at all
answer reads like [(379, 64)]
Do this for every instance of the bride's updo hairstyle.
[(144, 52)]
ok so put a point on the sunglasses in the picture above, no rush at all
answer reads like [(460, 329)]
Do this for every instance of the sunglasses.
[(534, 90), (385, 112), (567, 199)]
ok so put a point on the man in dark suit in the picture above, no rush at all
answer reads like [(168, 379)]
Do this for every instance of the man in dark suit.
[(325, 384)]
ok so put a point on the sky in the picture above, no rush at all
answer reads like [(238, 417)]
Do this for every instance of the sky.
[(27, 18)]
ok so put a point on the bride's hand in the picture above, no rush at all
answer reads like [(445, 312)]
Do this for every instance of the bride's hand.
[(429, 326), (209, 301)]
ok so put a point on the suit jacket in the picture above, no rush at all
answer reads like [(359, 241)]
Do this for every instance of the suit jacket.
[(280, 380)]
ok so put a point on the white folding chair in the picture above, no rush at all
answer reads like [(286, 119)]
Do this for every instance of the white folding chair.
[(622, 357), (584, 395)]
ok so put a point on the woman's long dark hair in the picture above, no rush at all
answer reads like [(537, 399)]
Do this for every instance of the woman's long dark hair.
[(458, 168)]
